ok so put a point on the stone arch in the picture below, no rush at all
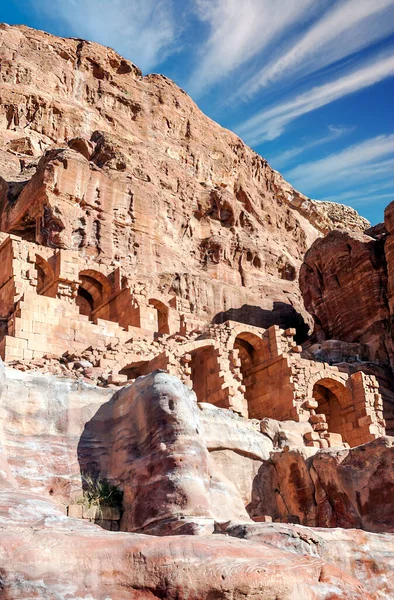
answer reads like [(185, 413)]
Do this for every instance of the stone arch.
[(162, 309), (46, 284), (334, 400), (94, 289), (248, 349), (205, 373), (136, 369), (250, 334)]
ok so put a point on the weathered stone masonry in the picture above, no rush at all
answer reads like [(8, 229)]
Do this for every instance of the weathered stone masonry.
[(53, 301)]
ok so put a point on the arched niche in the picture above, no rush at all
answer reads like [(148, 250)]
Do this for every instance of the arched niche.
[(248, 347), (205, 375), (46, 284), (94, 289), (334, 400), (162, 315)]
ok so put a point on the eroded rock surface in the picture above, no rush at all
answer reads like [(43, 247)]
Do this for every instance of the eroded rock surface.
[(368, 557), (44, 554), (133, 218), (184, 468), (151, 443), (97, 158), (347, 285), (351, 488)]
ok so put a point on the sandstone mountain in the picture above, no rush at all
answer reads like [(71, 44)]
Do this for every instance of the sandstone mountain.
[(126, 169)]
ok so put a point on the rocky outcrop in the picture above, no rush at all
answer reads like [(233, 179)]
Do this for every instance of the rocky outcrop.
[(184, 468), (330, 488), (325, 216), (46, 555), (150, 443), (136, 236), (347, 285), (336, 270), (367, 556)]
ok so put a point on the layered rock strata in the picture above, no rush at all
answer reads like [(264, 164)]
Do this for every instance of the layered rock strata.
[(145, 251), (152, 440), (126, 169), (347, 285)]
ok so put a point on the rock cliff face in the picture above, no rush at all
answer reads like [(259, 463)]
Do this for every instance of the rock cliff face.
[(330, 489), (126, 168), (347, 285)]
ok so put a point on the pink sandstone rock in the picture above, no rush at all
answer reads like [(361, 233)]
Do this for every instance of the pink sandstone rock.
[(136, 235), (126, 168), (336, 270), (367, 556), (45, 554)]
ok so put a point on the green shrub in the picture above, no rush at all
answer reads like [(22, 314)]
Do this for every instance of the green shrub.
[(99, 493)]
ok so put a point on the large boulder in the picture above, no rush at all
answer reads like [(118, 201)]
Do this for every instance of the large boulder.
[(329, 488), (149, 440)]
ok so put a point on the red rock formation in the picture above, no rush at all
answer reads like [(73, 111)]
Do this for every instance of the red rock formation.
[(347, 285), (336, 488), (153, 441), (46, 555), (129, 221), (344, 284), (146, 180), (150, 441), (367, 556)]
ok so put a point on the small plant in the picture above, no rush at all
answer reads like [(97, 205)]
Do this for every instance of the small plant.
[(99, 493)]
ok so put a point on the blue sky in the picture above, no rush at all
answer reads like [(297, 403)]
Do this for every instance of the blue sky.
[(309, 84)]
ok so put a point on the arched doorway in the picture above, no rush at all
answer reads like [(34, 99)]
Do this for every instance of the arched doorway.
[(162, 315), (85, 302), (46, 285), (205, 376), (93, 290), (333, 397), (248, 348)]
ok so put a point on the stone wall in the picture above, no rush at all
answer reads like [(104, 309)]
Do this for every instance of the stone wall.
[(59, 305)]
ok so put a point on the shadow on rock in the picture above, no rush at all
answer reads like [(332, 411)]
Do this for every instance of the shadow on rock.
[(284, 315), (147, 440)]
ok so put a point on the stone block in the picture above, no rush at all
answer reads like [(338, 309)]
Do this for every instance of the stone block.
[(311, 436), (75, 511), (262, 519)]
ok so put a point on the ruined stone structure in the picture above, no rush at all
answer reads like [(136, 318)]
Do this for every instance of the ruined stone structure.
[(53, 301), (342, 267)]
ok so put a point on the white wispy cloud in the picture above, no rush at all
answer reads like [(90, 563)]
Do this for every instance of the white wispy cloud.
[(365, 197), (141, 30), (268, 124), (367, 192), (347, 27), (241, 30), (282, 159), (369, 160)]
